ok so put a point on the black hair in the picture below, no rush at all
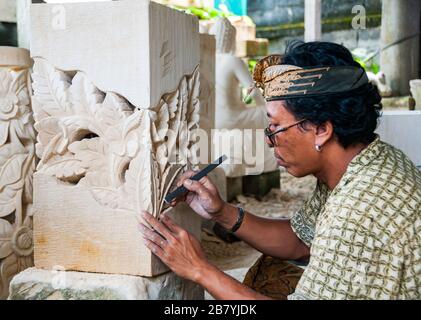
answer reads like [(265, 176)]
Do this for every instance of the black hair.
[(354, 115)]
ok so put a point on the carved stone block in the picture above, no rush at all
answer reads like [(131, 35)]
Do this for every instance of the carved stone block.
[(17, 163), (116, 100)]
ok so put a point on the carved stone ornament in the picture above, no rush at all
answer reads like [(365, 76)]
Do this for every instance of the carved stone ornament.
[(17, 164), (128, 157)]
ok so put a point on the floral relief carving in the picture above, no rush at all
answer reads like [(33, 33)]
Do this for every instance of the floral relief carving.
[(120, 152), (17, 164)]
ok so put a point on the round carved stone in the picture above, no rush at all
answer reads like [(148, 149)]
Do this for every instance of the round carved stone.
[(22, 241)]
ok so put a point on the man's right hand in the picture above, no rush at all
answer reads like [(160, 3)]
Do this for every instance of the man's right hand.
[(203, 197)]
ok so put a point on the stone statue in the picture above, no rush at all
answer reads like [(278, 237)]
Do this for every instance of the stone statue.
[(231, 111)]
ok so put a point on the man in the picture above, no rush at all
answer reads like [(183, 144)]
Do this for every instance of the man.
[(360, 231)]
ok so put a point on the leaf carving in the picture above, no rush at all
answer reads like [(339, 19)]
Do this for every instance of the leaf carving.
[(67, 169), (106, 197), (6, 232), (69, 106), (11, 171), (90, 152)]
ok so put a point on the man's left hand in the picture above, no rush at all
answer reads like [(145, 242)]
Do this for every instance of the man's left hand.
[(176, 247)]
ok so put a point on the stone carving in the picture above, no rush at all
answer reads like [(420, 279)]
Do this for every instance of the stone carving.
[(115, 127), (231, 112), (127, 157), (17, 164), (102, 161)]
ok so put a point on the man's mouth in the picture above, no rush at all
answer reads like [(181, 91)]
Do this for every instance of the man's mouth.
[(278, 157), (280, 160)]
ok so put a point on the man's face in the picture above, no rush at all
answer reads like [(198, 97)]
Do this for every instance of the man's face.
[(294, 148)]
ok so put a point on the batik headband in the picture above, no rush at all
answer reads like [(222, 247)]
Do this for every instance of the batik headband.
[(281, 81)]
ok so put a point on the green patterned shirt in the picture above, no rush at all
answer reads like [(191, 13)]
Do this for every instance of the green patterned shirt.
[(365, 235)]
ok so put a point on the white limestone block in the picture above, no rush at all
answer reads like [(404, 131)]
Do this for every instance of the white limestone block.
[(38, 284), (76, 232), (402, 129), (137, 48)]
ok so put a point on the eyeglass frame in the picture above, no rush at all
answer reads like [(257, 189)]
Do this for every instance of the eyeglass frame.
[(270, 134)]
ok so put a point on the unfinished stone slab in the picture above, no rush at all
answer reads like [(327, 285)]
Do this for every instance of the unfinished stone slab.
[(38, 284), (137, 48), (115, 106), (74, 230)]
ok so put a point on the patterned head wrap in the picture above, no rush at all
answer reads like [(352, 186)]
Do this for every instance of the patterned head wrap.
[(281, 81)]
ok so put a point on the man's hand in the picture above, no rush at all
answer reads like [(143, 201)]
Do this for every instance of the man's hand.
[(203, 197), (177, 248), (182, 253)]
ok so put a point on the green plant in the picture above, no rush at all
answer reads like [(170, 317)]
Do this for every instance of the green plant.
[(360, 55), (205, 13), (252, 64)]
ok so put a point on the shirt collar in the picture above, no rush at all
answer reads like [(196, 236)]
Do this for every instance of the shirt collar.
[(361, 160)]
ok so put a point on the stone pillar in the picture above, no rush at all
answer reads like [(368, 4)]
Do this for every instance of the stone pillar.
[(17, 163), (22, 17), (116, 98), (312, 20), (400, 63)]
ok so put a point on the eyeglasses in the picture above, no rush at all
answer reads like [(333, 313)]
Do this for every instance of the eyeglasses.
[(271, 135)]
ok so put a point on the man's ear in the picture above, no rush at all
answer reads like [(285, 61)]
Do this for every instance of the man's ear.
[(323, 133)]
